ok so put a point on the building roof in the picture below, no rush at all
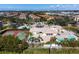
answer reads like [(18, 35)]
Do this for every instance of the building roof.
[(2, 32), (20, 34)]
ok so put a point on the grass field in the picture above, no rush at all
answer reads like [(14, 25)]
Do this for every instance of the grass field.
[(52, 51), (44, 51)]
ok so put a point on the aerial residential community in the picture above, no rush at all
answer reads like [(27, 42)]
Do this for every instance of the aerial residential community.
[(36, 32)]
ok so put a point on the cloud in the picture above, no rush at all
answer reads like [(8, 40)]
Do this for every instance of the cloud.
[(55, 5)]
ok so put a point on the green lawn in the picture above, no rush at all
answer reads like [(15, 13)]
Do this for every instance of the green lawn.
[(52, 51), (45, 51)]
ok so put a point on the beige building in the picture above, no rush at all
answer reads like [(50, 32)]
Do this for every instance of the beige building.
[(34, 17), (76, 18), (22, 16)]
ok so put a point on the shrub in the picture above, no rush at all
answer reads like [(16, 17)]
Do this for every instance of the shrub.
[(11, 44), (67, 43), (52, 40)]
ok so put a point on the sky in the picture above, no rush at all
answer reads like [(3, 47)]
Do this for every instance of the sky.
[(39, 6)]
